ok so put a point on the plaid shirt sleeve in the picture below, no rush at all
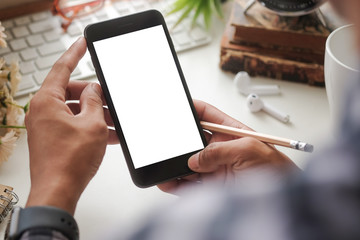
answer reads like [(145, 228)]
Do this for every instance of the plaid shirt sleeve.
[(323, 202)]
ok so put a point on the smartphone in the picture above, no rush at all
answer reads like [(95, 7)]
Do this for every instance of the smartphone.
[(147, 96)]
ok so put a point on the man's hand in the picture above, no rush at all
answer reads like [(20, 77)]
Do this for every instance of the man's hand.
[(226, 156), (66, 141)]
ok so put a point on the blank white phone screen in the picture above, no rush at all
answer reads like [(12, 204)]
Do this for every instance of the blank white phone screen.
[(148, 96)]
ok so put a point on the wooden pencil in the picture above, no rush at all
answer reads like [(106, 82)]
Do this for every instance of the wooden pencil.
[(302, 146)]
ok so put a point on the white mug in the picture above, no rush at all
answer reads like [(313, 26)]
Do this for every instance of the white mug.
[(341, 67)]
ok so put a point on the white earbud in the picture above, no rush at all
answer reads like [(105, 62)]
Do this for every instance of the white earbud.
[(255, 104), (242, 83)]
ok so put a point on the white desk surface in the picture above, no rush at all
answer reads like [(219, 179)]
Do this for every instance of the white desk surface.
[(111, 197)]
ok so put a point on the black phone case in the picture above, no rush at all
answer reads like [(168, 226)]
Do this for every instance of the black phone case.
[(165, 170)]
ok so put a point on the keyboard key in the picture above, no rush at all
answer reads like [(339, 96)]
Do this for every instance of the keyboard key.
[(7, 24), (4, 50), (26, 82), (21, 31), (74, 30), (175, 29), (44, 26), (138, 5), (9, 35), (158, 5), (27, 67), (122, 7), (40, 16), (101, 15), (41, 75), (47, 62), (76, 72), (198, 34), (22, 20), (172, 19), (18, 44), (102, 18), (53, 35), (28, 54), (50, 48), (85, 21), (13, 56), (182, 38), (35, 40)]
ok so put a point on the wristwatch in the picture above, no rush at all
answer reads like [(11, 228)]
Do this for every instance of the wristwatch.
[(288, 7), (41, 217)]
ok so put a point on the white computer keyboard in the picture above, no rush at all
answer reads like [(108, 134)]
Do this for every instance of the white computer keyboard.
[(37, 40)]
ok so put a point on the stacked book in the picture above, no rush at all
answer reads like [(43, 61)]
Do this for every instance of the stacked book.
[(263, 43)]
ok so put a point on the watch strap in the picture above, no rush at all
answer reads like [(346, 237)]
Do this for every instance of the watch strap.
[(46, 217)]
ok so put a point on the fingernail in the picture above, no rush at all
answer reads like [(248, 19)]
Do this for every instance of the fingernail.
[(193, 162)]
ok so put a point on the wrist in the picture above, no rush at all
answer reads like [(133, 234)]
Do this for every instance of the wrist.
[(42, 217), (49, 195)]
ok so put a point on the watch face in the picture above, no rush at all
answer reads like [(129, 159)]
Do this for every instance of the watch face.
[(291, 7)]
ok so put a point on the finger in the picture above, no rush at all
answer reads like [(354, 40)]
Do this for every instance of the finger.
[(91, 102), (113, 137), (207, 160), (75, 88), (58, 78), (235, 153), (195, 177), (209, 113), (169, 187), (75, 109), (108, 118), (175, 185), (208, 136)]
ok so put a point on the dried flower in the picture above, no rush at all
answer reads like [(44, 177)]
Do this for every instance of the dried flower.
[(14, 116), (11, 114), (7, 145), (15, 77), (2, 37), (10, 77)]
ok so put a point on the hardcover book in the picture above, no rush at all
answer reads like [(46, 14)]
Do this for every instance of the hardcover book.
[(266, 44)]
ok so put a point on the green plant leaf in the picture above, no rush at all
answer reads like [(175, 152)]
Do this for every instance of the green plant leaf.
[(181, 5), (186, 12), (12, 126), (26, 107), (217, 6), (200, 7), (197, 12), (207, 13)]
